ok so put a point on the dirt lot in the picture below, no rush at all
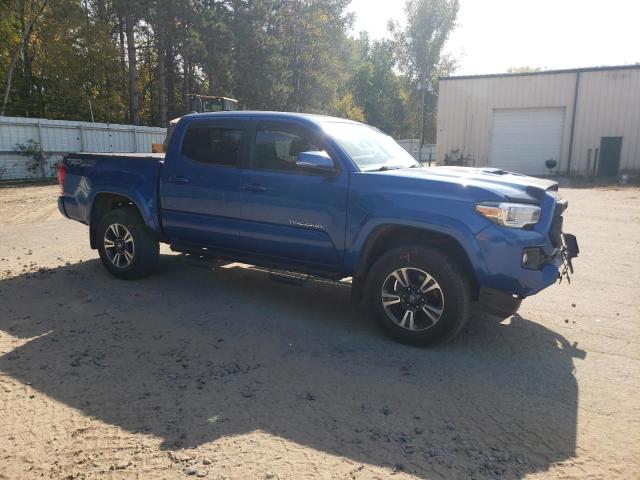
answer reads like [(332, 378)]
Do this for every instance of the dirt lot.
[(216, 371)]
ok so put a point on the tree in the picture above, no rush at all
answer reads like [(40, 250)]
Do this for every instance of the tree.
[(313, 31), (27, 14), (376, 85), (346, 107), (420, 48), (216, 22), (134, 106), (138, 61)]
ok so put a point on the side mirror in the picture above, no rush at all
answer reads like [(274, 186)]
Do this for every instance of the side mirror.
[(318, 162)]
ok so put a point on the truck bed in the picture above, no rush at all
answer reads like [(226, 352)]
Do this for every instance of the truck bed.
[(131, 175)]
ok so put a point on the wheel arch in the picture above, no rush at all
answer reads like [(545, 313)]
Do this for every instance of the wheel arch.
[(388, 236), (106, 201)]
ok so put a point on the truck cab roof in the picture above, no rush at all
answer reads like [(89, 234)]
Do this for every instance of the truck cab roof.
[(266, 115)]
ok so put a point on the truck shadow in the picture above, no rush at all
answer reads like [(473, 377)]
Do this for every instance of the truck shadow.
[(193, 354)]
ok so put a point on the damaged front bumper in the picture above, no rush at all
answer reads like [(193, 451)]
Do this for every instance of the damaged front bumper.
[(522, 263)]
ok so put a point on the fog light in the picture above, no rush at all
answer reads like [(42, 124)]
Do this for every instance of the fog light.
[(532, 258)]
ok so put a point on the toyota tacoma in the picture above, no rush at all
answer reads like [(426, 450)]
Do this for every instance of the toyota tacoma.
[(328, 197)]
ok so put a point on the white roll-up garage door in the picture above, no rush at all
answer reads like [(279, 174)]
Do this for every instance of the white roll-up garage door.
[(524, 139)]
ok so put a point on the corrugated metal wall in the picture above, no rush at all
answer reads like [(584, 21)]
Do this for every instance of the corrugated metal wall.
[(608, 105), (58, 137), (466, 106)]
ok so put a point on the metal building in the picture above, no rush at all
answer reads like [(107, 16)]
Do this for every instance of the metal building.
[(587, 120)]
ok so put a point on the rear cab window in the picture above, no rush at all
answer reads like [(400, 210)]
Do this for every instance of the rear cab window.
[(213, 144)]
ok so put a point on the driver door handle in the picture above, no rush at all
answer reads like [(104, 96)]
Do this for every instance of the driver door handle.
[(254, 187), (178, 180)]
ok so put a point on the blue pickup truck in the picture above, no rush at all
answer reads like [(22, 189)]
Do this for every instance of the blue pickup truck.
[(332, 198)]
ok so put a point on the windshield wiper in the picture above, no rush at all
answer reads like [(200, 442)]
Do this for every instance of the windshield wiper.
[(384, 168), (417, 165)]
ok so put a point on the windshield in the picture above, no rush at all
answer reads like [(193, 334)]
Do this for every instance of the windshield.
[(369, 148)]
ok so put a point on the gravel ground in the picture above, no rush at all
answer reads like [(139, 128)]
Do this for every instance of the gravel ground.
[(212, 370)]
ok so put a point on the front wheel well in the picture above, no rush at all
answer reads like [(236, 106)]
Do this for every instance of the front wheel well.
[(102, 204), (389, 237)]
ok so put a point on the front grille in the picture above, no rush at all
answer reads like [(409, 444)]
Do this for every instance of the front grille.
[(555, 232)]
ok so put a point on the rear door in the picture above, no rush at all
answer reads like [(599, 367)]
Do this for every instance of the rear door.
[(200, 185), (609, 161), (289, 213)]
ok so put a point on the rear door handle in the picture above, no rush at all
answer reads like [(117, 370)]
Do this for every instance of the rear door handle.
[(178, 180), (254, 187)]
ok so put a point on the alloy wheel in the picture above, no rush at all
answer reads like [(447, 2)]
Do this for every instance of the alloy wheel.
[(119, 246), (412, 298)]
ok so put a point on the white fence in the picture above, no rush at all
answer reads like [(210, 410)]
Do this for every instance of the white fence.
[(412, 145), (58, 137)]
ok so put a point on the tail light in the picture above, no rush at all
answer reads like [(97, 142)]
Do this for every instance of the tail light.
[(62, 171)]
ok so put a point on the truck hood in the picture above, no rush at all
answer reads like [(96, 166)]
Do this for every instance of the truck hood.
[(513, 186)]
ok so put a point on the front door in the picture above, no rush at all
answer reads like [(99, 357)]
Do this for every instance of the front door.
[(287, 212), (200, 186), (609, 162)]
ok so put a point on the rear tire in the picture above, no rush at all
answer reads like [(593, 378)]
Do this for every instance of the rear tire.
[(127, 249), (419, 294)]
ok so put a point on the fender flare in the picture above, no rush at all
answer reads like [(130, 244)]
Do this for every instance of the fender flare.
[(456, 230), (149, 218)]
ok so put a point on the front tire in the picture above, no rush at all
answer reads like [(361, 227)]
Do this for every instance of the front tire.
[(127, 249), (419, 295)]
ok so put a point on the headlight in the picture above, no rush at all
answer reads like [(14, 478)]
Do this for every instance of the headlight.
[(512, 215)]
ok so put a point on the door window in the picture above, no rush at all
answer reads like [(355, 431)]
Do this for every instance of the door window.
[(278, 150), (214, 145)]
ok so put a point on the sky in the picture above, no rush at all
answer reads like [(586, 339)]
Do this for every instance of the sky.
[(494, 35)]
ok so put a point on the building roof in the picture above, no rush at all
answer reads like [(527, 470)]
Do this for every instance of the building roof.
[(545, 72)]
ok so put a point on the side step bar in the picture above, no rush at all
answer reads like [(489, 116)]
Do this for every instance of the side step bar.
[(272, 265), (289, 278)]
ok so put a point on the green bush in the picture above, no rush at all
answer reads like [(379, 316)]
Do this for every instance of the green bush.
[(36, 158)]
